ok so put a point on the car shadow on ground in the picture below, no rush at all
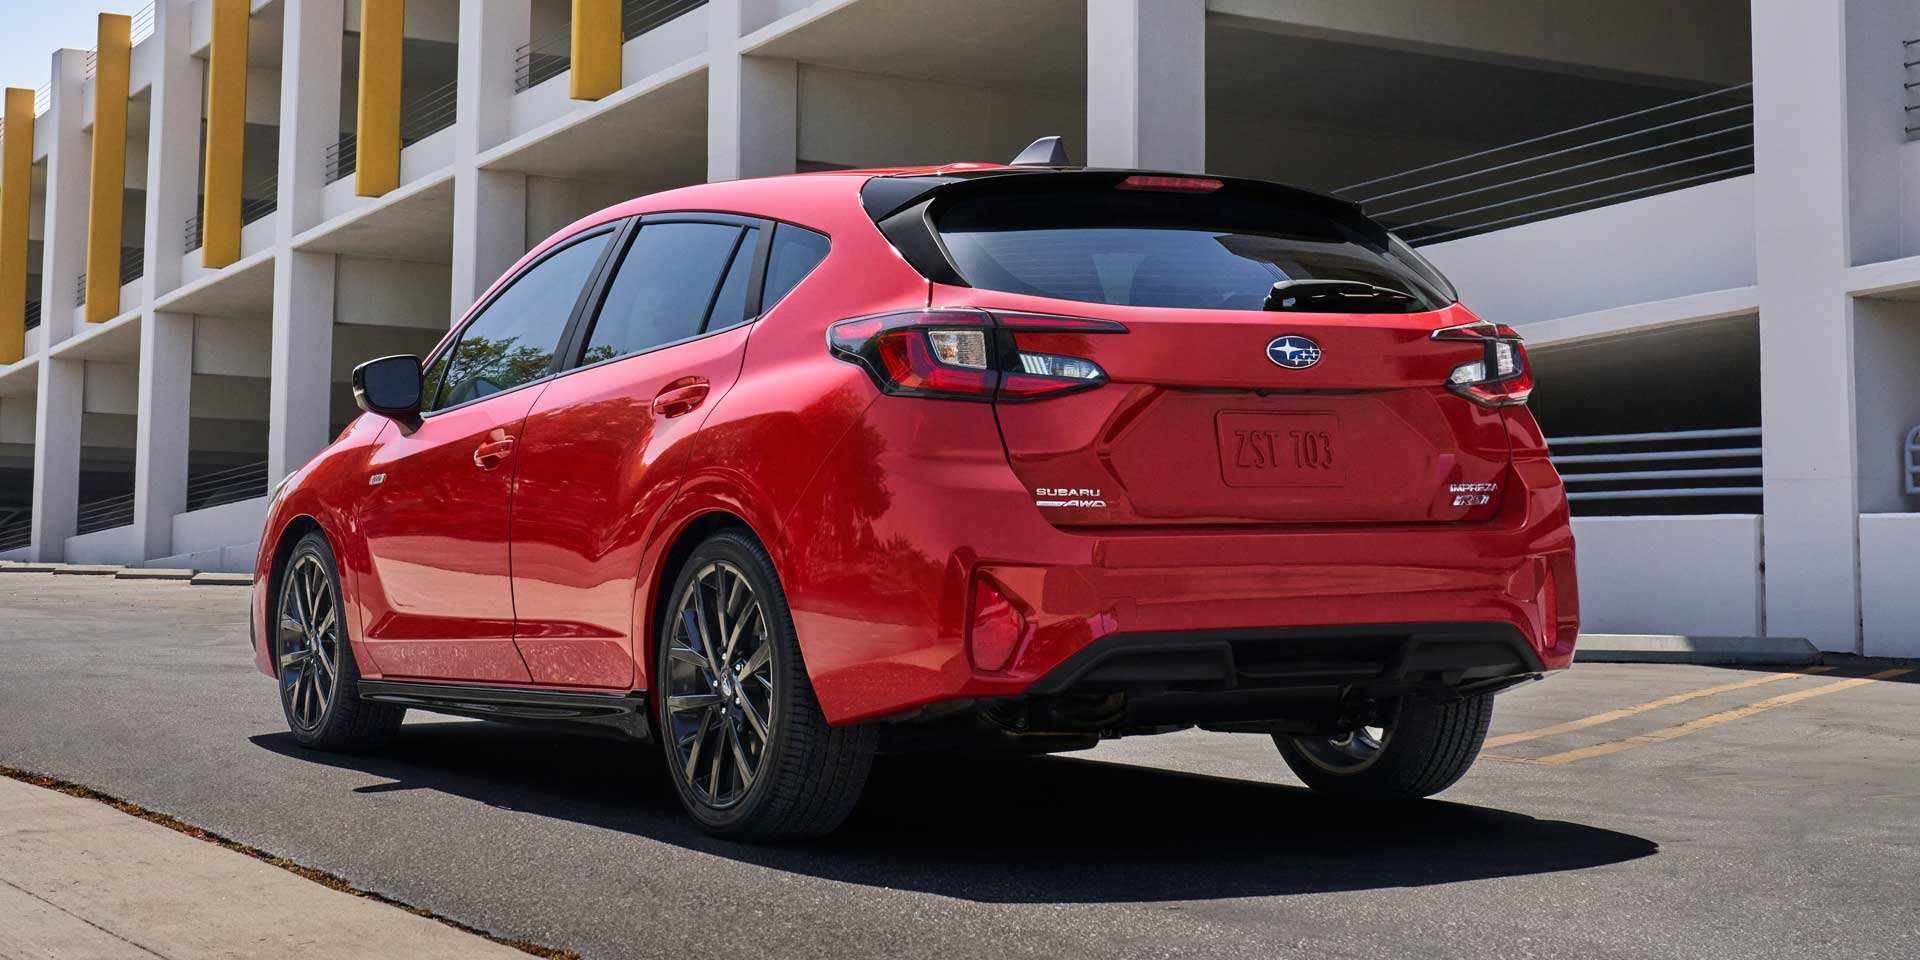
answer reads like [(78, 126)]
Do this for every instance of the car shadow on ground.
[(1012, 830)]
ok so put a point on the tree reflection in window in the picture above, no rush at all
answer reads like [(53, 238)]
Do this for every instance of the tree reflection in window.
[(482, 367)]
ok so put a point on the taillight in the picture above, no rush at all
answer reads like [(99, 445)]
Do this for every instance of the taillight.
[(966, 354), (1501, 377)]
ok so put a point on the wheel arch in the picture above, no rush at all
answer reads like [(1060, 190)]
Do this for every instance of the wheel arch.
[(688, 535)]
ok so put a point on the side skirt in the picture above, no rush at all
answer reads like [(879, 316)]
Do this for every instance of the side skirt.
[(623, 714)]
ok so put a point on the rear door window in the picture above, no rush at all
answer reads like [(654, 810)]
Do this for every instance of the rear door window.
[(1099, 242), (673, 277)]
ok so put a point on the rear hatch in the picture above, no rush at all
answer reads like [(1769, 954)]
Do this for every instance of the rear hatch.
[(1220, 398)]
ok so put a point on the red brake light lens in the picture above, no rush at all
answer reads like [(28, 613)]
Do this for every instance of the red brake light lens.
[(965, 354), (1501, 377), (1141, 181)]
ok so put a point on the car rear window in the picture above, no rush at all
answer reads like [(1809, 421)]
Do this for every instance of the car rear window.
[(1101, 242)]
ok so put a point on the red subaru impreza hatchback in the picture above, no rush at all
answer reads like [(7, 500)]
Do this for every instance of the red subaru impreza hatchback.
[(782, 473)]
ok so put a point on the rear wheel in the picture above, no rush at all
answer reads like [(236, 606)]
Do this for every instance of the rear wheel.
[(1421, 749), (319, 680), (752, 756)]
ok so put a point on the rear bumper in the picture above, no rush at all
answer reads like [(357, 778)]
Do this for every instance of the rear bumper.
[(884, 626)]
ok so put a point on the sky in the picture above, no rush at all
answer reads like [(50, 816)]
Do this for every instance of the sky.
[(33, 29)]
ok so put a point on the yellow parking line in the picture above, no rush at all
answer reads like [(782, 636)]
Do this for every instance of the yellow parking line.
[(1713, 720), (1624, 712)]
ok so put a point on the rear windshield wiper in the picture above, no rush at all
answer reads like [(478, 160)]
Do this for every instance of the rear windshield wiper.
[(1336, 296)]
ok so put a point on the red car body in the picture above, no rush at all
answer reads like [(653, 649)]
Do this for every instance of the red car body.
[(526, 541)]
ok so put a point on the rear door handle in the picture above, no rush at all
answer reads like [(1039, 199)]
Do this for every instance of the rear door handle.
[(681, 397), (489, 455)]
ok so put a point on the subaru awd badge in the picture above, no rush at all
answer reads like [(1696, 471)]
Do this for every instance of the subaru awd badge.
[(1294, 353)]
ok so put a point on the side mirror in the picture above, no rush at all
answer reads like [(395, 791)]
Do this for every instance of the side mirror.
[(390, 387)]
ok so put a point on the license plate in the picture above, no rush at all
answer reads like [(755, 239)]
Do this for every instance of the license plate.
[(1281, 449)]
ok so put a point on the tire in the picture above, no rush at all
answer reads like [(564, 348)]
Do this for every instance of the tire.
[(319, 680), (800, 777), (1425, 748)]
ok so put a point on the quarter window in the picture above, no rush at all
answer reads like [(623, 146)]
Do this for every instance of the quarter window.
[(672, 276), (513, 339), (796, 251)]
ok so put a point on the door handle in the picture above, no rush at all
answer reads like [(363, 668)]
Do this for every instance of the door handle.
[(681, 397), (489, 455)]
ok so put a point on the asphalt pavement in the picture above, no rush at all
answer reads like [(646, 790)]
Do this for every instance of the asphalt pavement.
[(1634, 811)]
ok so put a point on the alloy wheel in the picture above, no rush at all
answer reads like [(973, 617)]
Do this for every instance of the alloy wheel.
[(309, 646), (720, 706), (1350, 752)]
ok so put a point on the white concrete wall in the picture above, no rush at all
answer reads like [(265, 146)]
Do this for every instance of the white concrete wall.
[(115, 545), (1655, 248), (1687, 575), (216, 527), (1890, 584)]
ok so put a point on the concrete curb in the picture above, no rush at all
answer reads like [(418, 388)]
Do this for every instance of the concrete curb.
[(1711, 651), (223, 580), (85, 570), (12, 567), (154, 573)]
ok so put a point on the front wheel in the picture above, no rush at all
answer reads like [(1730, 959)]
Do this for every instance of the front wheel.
[(752, 756), (1422, 748), (319, 680)]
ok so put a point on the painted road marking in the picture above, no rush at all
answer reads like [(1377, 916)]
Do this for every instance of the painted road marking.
[(1624, 712), (1695, 726)]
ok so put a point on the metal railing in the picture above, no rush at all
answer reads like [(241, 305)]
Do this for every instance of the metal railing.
[(1657, 466), (33, 314), (420, 118), (230, 485), (340, 157), (543, 58), (104, 514), (133, 266), (1910, 60), (43, 99), (1683, 143), (16, 529), (1913, 461), (143, 24), (264, 200)]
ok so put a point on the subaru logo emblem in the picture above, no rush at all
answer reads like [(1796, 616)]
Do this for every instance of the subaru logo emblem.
[(1294, 353)]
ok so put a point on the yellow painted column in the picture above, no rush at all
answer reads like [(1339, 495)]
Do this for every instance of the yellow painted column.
[(377, 167), (596, 48), (16, 211), (108, 197), (226, 134)]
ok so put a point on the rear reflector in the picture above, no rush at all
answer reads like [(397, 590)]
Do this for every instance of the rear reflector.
[(994, 629), (965, 354)]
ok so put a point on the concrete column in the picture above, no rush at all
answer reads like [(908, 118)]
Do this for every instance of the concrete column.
[(1806, 321), (301, 376), (300, 393), (489, 231), (489, 206), (173, 159), (752, 102), (56, 456), (161, 430), (1147, 84), (310, 80), (64, 250)]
